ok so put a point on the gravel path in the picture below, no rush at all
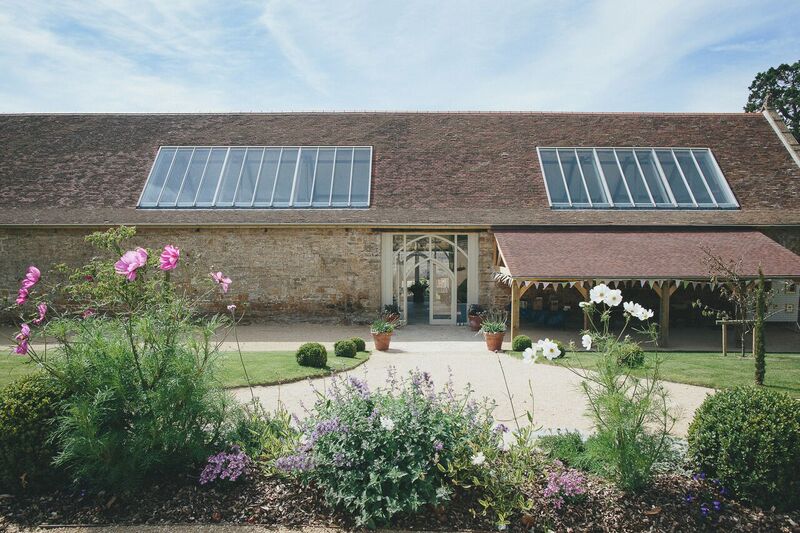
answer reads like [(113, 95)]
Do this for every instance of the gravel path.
[(558, 402)]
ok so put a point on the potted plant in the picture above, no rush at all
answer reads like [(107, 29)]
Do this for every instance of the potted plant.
[(382, 331), (475, 317), (493, 328), (418, 289), (391, 313)]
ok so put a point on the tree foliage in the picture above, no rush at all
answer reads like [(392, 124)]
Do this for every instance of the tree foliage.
[(782, 85)]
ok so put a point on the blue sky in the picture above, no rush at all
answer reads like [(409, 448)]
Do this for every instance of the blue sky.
[(181, 55)]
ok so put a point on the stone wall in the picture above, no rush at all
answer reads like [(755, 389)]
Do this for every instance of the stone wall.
[(492, 293), (311, 274)]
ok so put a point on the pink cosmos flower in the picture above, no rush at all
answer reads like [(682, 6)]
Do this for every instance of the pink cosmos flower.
[(42, 308), (169, 258), (130, 262), (31, 277), (22, 339), (87, 313), (221, 280), (22, 296)]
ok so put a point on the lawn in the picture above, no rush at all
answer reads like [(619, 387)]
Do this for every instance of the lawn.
[(708, 369), (264, 368), (269, 368)]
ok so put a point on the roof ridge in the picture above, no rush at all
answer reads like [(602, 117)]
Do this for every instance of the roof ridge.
[(390, 112)]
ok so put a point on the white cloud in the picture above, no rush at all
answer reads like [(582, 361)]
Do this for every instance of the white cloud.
[(186, 55)]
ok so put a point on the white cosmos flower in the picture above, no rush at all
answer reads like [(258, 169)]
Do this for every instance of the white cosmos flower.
[(550, 349), (530, 355), (586, 341), (478, 459), (630, 308), (644, 314), (387, 423), (613, 297), (598, 293), (584, 304)]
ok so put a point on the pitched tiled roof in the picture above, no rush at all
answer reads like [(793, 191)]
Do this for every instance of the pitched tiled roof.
[(429, 168), (617, 254)]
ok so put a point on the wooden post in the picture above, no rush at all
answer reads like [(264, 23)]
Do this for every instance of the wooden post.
[(724, 339), (585, 293), (665, 292), (515, 295)]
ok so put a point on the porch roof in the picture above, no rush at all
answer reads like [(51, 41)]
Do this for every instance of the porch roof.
[(652, 254)]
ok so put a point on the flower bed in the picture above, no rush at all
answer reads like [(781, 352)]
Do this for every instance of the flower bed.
[(274, 500), (142, 431)]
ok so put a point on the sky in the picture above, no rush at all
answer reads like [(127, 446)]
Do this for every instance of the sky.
[(344, 55)]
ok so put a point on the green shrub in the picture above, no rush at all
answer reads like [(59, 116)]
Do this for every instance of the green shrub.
[(143, 401), (129, 422), (567, 447), (562, 348), (378, 454), (630, 355), (570, 448), (632, 420), (749, 438), (361, 344), (345, 348), (381, 326), (262, 435), (494, 321), (520, 343), (312, 354), (28, 411)]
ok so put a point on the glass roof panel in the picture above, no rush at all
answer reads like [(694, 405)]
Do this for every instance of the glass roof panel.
[(259, 177), (634, 178)]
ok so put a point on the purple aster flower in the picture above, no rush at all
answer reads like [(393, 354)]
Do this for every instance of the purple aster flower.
[(226, 465), (438, 446), (300, 462), (360, 386)]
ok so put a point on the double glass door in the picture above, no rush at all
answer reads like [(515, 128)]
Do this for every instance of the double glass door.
[(430, 277)]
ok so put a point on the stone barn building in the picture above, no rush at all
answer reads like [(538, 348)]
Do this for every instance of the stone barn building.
[(335, 215)]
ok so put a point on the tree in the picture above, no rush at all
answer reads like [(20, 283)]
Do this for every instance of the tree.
[(741, 292), (781, 86), (759, 348)]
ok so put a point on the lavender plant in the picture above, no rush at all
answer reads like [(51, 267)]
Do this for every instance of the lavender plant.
[(376, 453), (229, 466)]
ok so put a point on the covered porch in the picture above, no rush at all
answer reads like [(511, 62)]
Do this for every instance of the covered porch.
[(551, 272)]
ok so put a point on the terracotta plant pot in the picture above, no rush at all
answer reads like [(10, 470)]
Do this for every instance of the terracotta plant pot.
[(382, 341), (475, 322), (494, 341)]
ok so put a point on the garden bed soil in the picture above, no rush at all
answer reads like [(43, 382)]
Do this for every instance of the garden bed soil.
[(274, 501)]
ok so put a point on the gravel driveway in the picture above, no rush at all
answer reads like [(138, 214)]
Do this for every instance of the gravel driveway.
[(558, 402)]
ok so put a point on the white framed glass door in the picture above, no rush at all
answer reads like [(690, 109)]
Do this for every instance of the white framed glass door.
[(442, 294), (431, 278)]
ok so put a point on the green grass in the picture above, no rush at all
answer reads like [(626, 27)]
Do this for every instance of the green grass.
[(709, 369), (269, 368), (264, 368)]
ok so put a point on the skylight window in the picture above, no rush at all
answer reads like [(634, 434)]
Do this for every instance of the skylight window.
[(634, 178), (259, 177)]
